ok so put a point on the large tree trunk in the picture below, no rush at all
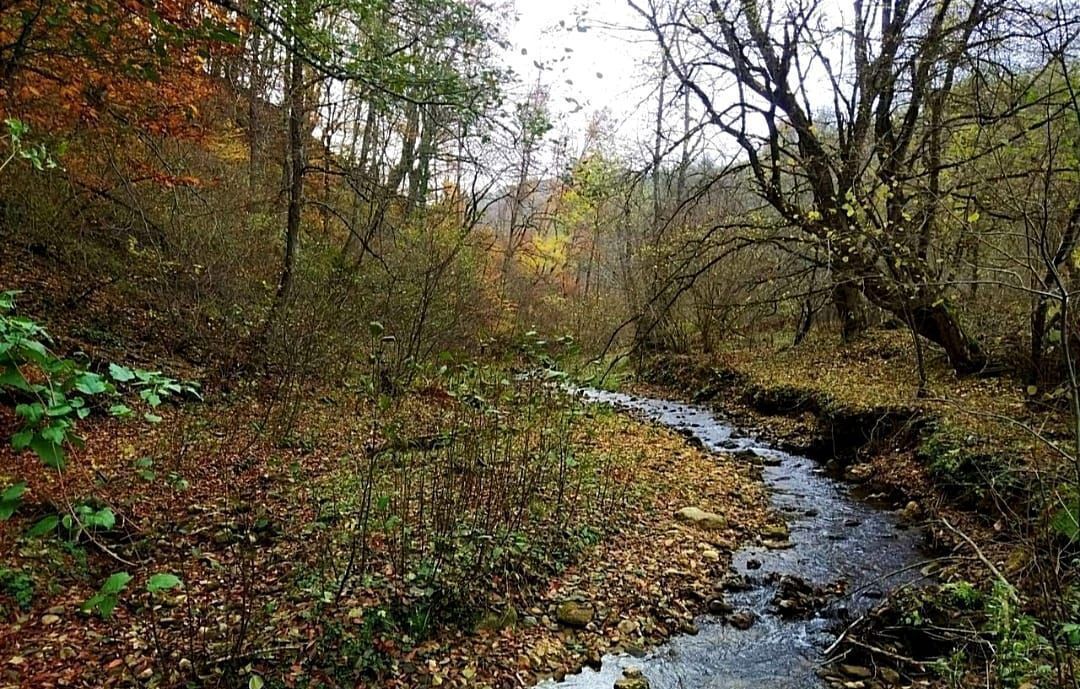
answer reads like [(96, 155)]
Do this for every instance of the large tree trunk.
[(937, 323), (850, 310)]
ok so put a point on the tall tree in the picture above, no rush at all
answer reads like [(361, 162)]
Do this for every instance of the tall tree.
[(843, 131)]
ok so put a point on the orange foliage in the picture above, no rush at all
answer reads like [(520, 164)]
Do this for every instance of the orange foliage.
[(71, 67)]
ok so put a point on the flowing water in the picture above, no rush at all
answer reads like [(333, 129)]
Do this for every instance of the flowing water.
[(834, 537)]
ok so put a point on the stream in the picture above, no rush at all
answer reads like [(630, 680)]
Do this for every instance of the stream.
[(834, 536)]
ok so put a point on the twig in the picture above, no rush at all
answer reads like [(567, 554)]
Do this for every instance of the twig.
[(888, 654), (979, 553), (257, 653), (843, 635)]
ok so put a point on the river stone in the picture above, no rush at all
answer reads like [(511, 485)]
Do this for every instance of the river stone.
[(574, 614), (912, 512), (632, 679), (857, 671), (775, 532), (890, 676), (742, 619), (859, 472), (710, 521), (748, 455)]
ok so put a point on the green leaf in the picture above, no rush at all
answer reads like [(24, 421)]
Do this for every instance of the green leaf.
[(120, 373), (103, 518), (91, 384), (11, 377), (43, 526), (21, 440), (255, 682), (1067, 521), (162, 582), (51, 453), (10, 499), (151, 418), (120, 410), (107, 597), (116, 583)]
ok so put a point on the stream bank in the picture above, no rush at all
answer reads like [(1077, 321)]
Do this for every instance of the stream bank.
[(782, 598)]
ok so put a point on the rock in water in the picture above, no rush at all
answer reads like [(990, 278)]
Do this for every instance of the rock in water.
[(574, 614), (911, 513), (632, 679), (709, 521), (743, 619)]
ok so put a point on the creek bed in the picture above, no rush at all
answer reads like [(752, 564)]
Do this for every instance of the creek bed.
[(834, 537)]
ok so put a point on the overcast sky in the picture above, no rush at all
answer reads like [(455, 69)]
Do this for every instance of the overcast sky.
[(604, 68)]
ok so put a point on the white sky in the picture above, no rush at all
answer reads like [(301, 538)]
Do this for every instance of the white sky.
[(606, 68)]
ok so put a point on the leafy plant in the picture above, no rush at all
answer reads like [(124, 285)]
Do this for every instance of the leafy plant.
[(163, 581), (10, 499), (36, 154), (57, 391), (108, 596), (19, 585)]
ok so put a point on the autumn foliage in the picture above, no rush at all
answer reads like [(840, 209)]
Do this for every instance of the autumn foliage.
[(70, 68)]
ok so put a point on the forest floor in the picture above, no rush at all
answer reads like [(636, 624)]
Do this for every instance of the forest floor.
[(232, 515)]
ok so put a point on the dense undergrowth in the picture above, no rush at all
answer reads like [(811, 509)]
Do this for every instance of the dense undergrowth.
[(294, 533)]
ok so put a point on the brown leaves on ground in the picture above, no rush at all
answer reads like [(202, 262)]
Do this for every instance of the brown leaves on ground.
[(236, 517)]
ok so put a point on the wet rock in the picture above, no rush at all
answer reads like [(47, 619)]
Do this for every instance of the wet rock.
[(856, 671), (775, 532), (778, 545), (911, 513), (719, 606), (748, 455), (632, 679), (859, 472), (574, 614), (753, 563), (772, 461), (889, 676), (710, 521), (742, 619), (852, 522), (796, 597), (734, 582)]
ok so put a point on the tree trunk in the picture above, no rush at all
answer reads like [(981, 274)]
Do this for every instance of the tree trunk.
[(937, 323), (849, 309), (295, 175)]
